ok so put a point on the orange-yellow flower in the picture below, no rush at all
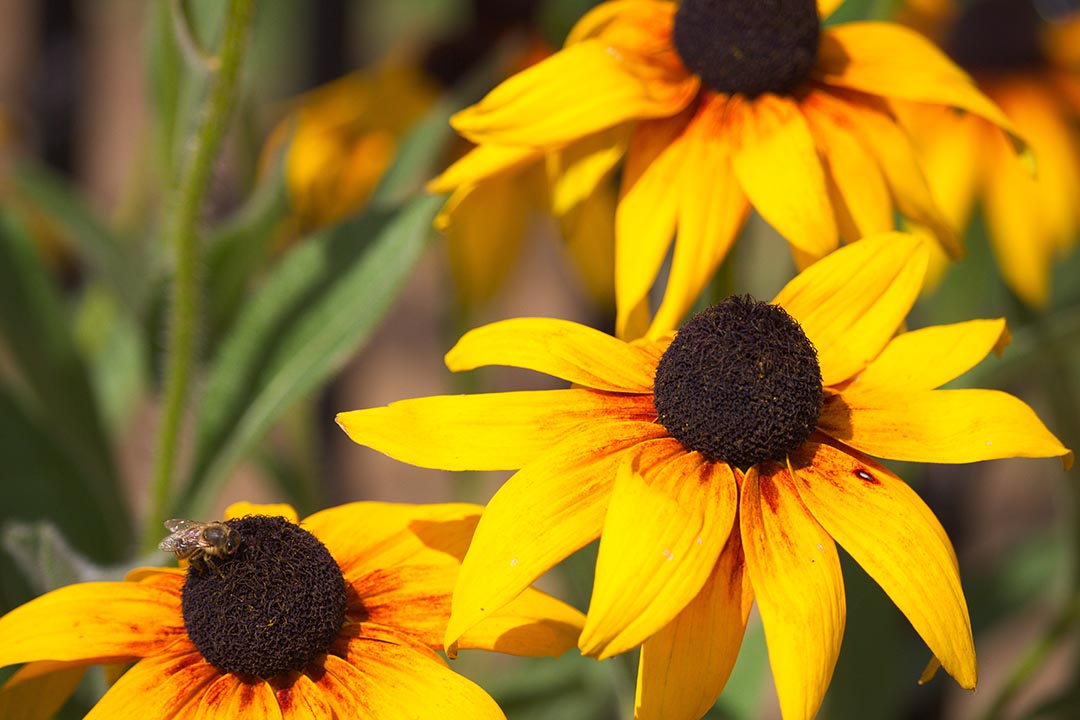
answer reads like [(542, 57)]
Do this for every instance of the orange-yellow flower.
[(731, 105), (1032, 218), (339, 616), (719, 466)]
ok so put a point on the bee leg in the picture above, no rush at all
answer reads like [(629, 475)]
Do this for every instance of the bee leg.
[(210, 563)]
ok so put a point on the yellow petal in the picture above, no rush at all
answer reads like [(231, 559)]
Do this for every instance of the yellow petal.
[(776, 162), (392, 680), (940, 426), (230, 697), (850, 303), (576, 170), (856, 184), (484, 225), (684, 667), (170, 683), (589, 236), (617, 19), (826, 8), (1042, 117), (483, 163), (930, 357), (579, 90), (542, 514), (889, 60), (886, 528), (395, 534), (647, 212), (495, 431), (952, 154), (38, 690), (712, 209), (562, 348), (301, 699), (92, 622), (533, 624), (895, 154), (795, 572), (660, 542), (240, 509)]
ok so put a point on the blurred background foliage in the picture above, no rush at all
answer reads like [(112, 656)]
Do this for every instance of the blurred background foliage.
[(324, 288)]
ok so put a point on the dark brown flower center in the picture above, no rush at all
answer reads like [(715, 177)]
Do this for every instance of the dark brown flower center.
[(271, 606), (749, 47), (996, 36), (740, 383)]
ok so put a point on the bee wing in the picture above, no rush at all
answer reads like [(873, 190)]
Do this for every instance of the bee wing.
[(176, 525)]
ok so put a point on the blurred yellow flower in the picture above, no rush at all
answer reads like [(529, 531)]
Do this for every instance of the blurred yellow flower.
[(719, 466), (339, 616), (341, 138), (1023, 64), (731, 105)]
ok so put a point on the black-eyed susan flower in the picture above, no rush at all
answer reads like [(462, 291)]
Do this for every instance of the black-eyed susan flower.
[(336, 617), (341, 138), (1010, 51), (731, 105), (720, 466)]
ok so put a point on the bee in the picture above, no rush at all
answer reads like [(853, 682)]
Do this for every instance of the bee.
[(199, 542)]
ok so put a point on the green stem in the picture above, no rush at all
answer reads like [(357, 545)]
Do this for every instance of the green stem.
[(181, 234)]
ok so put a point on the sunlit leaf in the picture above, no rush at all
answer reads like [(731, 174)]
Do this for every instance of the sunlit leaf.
[(313, 312)]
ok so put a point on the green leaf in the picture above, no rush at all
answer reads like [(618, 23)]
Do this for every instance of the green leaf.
[(53, 391), (314, 311), (105, 255), (237, 249), (43, 482)]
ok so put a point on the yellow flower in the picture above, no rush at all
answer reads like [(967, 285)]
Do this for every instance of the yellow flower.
[(731, 104), (485, 223), (718, 466), (341, 138), (1031, 218), (339, 616)]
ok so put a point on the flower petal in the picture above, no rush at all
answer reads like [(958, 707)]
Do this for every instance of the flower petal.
[(930, 357), (684, 667), (494, 431), (826, 8), (240, 509), (393, 680), (884, 525), (395, 535), (896, 156), (582, 89), (229, 697), (483, 162), (660, 542), (38, 690), (533, 624), (647, 212), (795, 572), (159, 687), (561, 348), (484, 225), (92, 622), (850, 303), (857, 187), (776, 162), (889, 60), (951, 147), (940, 426), (301, 699), (712, 210), (542, 514)]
